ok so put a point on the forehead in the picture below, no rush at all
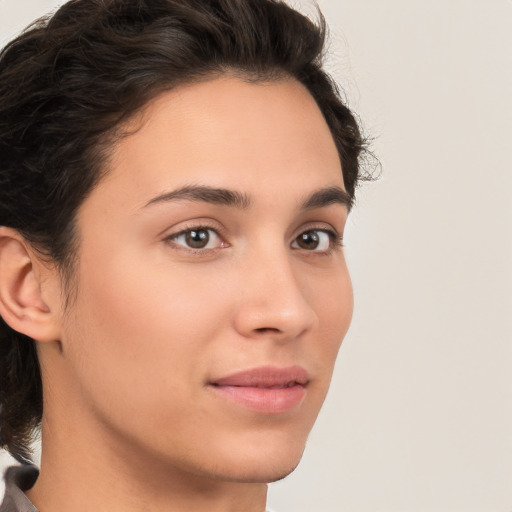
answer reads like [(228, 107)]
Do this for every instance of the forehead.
[(228, 133)]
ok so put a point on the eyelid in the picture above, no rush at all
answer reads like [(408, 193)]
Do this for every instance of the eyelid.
[(189, 225)]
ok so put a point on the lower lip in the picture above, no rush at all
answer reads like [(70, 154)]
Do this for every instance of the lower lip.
[(264, 400)]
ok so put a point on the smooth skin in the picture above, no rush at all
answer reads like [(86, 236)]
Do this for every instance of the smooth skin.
[(177, 289)]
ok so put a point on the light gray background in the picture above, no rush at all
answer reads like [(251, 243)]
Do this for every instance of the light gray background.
[(419, 417)]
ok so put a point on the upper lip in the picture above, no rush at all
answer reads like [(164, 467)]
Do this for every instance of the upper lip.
[(265, 377)]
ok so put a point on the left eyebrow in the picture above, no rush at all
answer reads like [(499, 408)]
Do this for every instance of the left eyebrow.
[(327, 196)]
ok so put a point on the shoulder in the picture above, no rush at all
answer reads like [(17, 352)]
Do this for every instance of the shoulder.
[(17, 480)]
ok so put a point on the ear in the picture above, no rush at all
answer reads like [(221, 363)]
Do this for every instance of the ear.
[(23, 283)]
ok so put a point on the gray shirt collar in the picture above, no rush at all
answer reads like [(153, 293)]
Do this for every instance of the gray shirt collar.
[(17, 480)]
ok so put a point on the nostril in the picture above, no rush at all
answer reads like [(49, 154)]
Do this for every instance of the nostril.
[(266, 330)]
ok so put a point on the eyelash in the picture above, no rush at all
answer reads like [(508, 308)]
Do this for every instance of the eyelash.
[(336, 240)]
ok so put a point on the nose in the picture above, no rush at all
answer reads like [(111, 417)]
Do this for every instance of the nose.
[(273, 302)]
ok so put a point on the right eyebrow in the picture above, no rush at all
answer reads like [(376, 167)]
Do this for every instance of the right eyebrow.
[(219, 196)]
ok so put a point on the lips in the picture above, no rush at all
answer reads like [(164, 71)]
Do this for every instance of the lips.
[(269, 390)]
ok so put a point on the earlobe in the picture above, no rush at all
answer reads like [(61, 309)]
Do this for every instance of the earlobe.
[(22, 305)]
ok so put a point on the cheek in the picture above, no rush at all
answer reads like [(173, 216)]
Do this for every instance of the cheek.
[(341, 305), (332, 298), (142, 328), (158, 298)]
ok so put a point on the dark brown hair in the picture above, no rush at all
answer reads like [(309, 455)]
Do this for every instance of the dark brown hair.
[(69, 82)]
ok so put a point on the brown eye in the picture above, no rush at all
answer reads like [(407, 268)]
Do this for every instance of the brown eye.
[(313, 240), (197, 238), (308, 240)]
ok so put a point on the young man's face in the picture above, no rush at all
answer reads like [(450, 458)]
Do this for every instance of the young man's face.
[(207, 322)]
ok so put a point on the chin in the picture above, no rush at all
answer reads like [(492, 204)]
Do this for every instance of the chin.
[(266, 466), (275, 474), (262, 475)]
